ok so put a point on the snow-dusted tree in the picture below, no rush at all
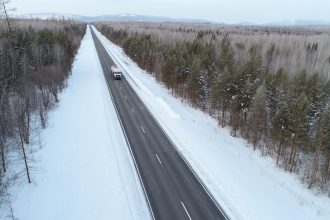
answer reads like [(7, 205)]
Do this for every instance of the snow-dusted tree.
[(276, 86), (246, 82)]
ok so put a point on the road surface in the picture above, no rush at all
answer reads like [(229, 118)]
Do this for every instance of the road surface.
[(172, 189)]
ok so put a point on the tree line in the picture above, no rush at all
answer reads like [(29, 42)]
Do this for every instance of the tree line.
[(35, 61), (285, 114)]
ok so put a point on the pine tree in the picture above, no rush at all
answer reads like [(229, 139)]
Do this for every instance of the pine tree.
[(322, 143), (280, 130), (269, 57), (257, 117), (324, 129), (227, 55), (276, 88), (169, 69), (193, 84), (247, 81), (299, 128), (314, 92)]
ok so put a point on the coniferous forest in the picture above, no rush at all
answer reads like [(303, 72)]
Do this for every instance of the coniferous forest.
[(270, 85), (36, 57)]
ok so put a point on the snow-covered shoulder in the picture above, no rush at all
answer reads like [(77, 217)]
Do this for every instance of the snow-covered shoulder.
[(86, 171), (246, 185)]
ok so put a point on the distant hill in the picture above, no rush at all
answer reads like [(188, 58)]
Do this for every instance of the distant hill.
[(147, 18), (118, 17), (300, 23)]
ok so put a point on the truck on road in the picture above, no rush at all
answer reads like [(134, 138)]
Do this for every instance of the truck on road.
[(116, 72)]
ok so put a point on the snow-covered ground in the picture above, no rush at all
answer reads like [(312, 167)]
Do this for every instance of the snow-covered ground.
[(86, 171), (246, 185)]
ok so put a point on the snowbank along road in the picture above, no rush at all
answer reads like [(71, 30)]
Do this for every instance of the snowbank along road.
[(173, 191)]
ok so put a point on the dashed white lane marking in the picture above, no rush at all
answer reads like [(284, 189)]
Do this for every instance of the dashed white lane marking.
[(132, 110), (184, 207), (158, 159), (125, 97), (142, 129)]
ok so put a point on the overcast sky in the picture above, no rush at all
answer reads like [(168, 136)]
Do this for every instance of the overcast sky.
[(230, 11)]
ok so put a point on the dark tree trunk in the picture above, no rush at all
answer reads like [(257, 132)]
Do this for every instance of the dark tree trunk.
[(25, 159), (279, 152), (3, 157)]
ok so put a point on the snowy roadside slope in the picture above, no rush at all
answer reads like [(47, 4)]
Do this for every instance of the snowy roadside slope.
[(87, 171), (246, 185)]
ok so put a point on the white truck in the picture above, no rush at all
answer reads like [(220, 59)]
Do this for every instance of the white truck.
[(116, 72)]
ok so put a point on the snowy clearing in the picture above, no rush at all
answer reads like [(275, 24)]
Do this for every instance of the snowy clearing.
[(86, 171), (246, 185)]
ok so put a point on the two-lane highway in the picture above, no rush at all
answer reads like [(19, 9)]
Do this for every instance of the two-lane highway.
[(172, 189)]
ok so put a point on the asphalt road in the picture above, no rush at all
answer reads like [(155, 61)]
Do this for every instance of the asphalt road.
[(172, 189)]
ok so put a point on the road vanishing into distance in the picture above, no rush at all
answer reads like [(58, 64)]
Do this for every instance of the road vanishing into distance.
[(173, 191)]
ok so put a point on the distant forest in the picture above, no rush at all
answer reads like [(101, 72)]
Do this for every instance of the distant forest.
[(36, 57), (270, 85)]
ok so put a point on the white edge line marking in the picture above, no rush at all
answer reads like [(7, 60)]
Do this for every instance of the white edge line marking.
[(186, 210), (129, 146), (142, 129), (189, 166), (158, 159)]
